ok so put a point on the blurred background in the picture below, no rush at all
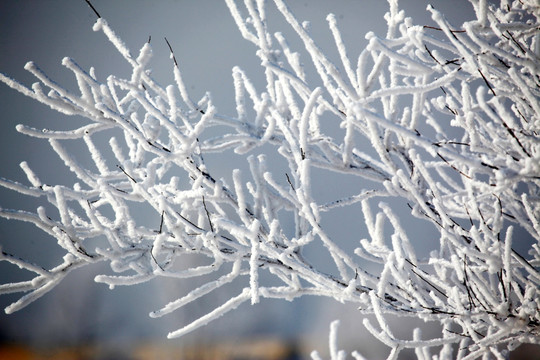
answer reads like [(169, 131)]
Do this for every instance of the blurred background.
[(82, 319)]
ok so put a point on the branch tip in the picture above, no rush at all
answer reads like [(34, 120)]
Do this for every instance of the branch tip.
[(93, 8)]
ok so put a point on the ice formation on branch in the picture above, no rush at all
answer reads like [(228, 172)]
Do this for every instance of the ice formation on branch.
[(450, 114)]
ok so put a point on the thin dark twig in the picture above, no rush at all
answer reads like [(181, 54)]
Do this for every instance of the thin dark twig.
[(467, 211), (208, 215), (515, 41), (484, 220), (161, 223), (421, 277), (489, 166), (470, 292), (124, 171), (289, 181), (487, 83), (451, 143), (433, 57), (189, 222), (519, 112), (439, 29), (453, 167), (503, 286), (155, 260), (172, 52), (513, 134), (451, 110), (525, 262), (93, 8), (453, 61), (472, 304), (435, 310)]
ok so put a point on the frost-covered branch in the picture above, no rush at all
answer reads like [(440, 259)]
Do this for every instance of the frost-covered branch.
[(444, 118)]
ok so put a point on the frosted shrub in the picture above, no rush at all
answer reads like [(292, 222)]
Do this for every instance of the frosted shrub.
[(444, 117)]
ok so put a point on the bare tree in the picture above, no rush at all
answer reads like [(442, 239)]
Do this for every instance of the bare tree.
[(443, 118)]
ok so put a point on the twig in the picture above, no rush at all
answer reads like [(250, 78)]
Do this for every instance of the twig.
[(515, 41), (189, 221), (208, 215), (124, 171), (161, 223), (289, 181), (439, 29), (487, 83), (453, 167), (172, 52), (433, 57), (93, 8)]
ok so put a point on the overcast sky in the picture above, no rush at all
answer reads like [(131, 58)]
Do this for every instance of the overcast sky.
[(207, 46)]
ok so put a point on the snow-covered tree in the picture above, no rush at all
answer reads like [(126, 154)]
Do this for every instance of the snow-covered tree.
[(441, 119)]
